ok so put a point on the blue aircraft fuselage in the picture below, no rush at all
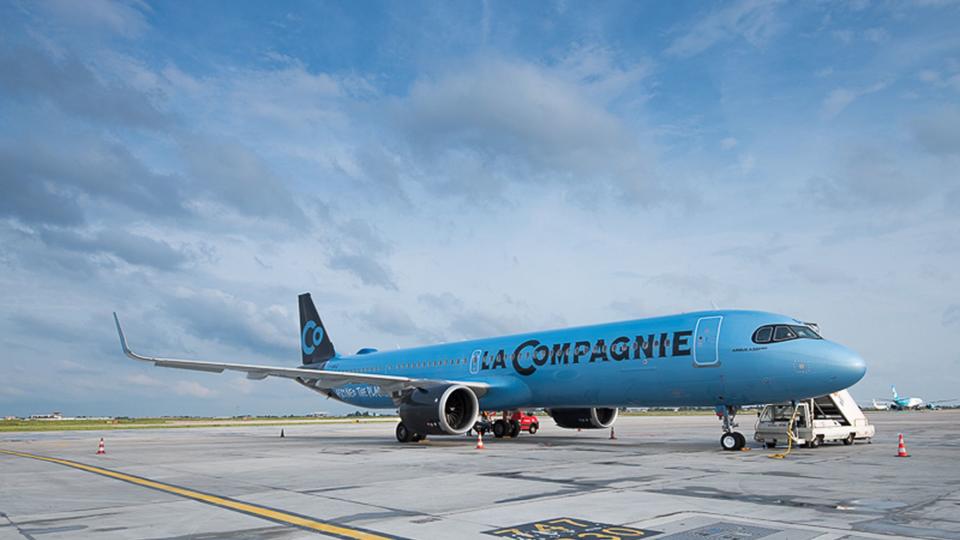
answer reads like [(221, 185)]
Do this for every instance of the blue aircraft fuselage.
[(711, 358)]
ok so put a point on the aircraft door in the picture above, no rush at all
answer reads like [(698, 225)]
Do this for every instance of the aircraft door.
[(706, 344), (475, 361)]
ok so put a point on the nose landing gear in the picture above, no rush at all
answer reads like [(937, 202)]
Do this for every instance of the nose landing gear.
[(730, 440)]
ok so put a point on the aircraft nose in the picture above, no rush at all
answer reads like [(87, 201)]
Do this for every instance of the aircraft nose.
[(848, 366)]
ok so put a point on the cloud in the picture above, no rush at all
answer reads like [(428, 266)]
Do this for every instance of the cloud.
[(140, 379), (951, 315), (840, 98), (126, 18), (193, 389), (939, 133), (870, 177), (45, 179), (30, 75), (550, 125), (762, 251), (876, 35), (391, 320), (369, 270), (754, 21), (235, 177), (214, 315), (33, 200), (132, 248), (470, 323), (819, 274), (364, 235)]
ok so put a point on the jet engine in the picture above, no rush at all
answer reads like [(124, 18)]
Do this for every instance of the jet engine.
[(440, 410), (595, 418)]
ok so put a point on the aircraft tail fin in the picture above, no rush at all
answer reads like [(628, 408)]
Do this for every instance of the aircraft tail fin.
[(315, 344), (894, 389)]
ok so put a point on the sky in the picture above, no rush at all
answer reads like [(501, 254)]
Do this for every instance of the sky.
[(436, 171)]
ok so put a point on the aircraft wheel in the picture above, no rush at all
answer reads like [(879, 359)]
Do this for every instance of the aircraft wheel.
[(499, 429), (741, 440), (730, 442), (849, 440), (514, 429), (403, 433), (533, 429)]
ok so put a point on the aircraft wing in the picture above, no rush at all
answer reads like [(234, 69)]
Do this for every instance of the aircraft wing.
[(318, 378)]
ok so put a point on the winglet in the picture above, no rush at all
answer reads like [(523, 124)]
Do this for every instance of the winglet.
[(123, 339), (123, 342)]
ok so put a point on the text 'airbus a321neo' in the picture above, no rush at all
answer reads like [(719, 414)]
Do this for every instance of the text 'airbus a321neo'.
[(581, 376)]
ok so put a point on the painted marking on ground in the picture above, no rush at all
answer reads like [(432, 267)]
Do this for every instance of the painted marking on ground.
[(272, 514), (569, 528)]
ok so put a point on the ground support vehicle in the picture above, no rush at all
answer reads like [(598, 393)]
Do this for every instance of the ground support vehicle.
[(812, 422)]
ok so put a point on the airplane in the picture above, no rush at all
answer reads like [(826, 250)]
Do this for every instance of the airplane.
[(581, 375), (903, 403), (880, 406), (899, 403)]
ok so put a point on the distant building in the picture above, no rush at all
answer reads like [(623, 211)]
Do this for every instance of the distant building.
[(55, 415)]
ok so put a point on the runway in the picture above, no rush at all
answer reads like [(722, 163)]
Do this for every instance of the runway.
[(664, 477)]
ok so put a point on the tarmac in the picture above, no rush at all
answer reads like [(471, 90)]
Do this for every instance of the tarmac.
[(663, 477)]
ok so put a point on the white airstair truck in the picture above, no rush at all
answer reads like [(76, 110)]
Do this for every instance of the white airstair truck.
[(833, 417)]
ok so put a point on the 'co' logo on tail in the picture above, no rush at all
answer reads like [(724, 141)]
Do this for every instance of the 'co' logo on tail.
[(311, 337)]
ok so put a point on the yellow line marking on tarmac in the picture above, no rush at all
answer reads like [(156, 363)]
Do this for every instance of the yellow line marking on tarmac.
[(279, 516)]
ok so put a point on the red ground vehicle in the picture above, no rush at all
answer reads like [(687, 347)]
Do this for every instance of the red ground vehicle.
[(512, 426), (527, 420), (507, 426)]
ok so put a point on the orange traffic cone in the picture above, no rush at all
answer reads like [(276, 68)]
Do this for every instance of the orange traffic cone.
[(479, 441), (902, 449), (100, 449), (613, 435)]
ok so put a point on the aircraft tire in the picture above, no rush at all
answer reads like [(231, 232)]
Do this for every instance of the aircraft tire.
[(741, 440), (514, 429), (499, 429), (730, 442), (404, 434)]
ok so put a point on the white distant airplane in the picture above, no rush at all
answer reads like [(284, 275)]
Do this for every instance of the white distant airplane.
[(880, 406), (902, 403)]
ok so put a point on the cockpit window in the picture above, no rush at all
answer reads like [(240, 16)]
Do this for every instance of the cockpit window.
[(806, 332), (783, 333), (763, 334)]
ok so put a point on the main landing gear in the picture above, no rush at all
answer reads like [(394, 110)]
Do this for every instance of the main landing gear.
[(730, 440), (506, 428), (404, 434)]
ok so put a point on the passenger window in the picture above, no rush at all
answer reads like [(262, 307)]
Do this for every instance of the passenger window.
[(783, 333), (763, 334)]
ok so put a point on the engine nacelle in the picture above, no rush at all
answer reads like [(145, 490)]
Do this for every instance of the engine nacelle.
[(595, 418), (440, 410)]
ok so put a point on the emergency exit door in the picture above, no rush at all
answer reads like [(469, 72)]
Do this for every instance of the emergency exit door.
[(475, 361), (706, 341)]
